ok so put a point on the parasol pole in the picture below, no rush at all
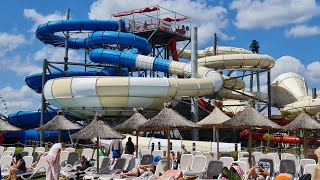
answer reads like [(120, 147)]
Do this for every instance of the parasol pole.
[(98, 154), (304, 143), (137, 141), (250, 146), (217, 140), (59, 135), (168, 152)]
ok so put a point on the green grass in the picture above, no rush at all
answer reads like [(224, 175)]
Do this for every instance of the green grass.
[(40, 178)]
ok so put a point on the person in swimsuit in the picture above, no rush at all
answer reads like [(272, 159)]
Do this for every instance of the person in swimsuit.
[(18, 167), (136, 172)]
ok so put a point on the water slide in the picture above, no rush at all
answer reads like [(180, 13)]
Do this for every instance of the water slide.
[(127, 92), (284, 139)]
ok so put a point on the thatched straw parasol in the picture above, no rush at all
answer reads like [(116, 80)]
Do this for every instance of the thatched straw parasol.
[(60, 123), (7, 127), (250, 118), (303, 122), (133, 124), (167, 119), (214, 120), (97, 129)]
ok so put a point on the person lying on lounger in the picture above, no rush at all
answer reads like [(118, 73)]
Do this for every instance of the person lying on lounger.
[(84, 164), (137, 172)]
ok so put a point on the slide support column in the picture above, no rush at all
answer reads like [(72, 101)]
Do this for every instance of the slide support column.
[(194, 74), (43, 101), (66, 43)]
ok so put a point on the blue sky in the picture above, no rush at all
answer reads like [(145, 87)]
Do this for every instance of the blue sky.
[(287, 30)]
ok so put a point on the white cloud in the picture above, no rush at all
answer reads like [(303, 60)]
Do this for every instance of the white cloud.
[(9, 42), (287, 64), (56, 54), (40, 19), (19, 99), (303, 30), (19, 66), (313, 73), (310, 72), (207, 18), (273, 13)]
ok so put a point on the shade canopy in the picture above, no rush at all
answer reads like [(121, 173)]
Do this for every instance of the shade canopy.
[(214, 119), (167, 118), (97, 129), (177, 19), (250, 117), (143, 10), (131, 124), (301, 122), (6, 127), (59, 122)]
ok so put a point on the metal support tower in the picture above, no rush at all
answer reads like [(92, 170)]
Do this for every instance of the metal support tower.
[(194, 74), (66, 42), (269, 93), (43, 101)]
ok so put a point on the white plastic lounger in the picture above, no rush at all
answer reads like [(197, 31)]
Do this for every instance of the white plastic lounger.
[(38, 170)]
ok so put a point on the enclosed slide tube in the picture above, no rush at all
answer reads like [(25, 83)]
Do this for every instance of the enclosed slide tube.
[(221, 50), (30, 120), (34, 81)]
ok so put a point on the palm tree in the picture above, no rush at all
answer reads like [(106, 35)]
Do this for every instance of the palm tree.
[(254, 46)]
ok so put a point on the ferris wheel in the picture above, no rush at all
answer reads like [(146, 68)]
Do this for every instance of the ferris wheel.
[(3, 107)]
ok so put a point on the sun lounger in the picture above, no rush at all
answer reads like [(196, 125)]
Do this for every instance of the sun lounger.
[(118, 166), (40, 149), (213, 170), (29, 150), (198, 166), (185, 162), (28, 160), (5, 164), (87, 152), (40, 169)]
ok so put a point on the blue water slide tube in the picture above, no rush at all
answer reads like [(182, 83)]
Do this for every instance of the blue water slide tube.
[(104, 34), (127, 59), (46, 32), (31, 119), (34, 81), (34, 135)]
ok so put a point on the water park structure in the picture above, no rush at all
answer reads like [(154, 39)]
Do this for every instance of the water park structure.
[(133, 61)]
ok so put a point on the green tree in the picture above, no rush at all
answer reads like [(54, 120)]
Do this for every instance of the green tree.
[(254, 46), (269, 137)]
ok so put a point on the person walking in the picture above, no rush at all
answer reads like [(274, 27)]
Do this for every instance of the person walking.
[(129, 147), (116, 148), (53, 160)]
